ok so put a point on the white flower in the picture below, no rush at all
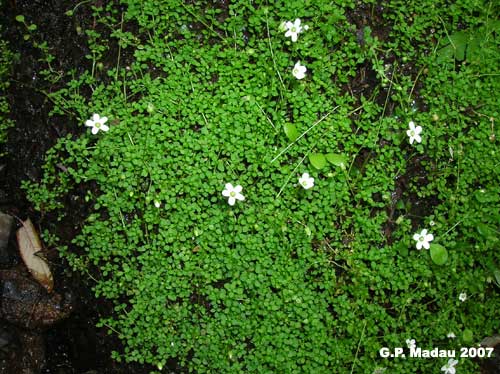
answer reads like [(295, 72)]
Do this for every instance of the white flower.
[(414, 132), (423, 239), (299, 71), (451, 335), (411, 343), (156, 203), (462, 297), (97, 123), (449, 368), (306, 181), (293, 29), (233, 193)]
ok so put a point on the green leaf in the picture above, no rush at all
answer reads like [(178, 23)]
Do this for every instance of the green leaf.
[(20, 18), (337, 159), (459, 42), (474, 51), (402, 248), (486, 196), (439, 254), (308, 231), (467, 336), (496, 274), (456, 44), (291, 131), (317, 160), (487, 232)]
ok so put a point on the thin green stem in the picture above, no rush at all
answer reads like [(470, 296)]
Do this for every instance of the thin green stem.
[(290, 175), (357, 350), (305, 133), (272, 56)]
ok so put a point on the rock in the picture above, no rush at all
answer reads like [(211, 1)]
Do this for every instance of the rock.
[(26, 357), (32, 357), (6, 336), (491, 365), (4, 197), (5, 229), (24, 303)]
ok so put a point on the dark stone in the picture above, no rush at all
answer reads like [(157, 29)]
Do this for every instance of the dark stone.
[(5, 229), (6, 336), (25, 303), (491, 365), (26, 357)]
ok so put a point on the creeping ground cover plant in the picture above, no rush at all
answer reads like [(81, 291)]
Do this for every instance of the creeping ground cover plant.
[(284, 188)]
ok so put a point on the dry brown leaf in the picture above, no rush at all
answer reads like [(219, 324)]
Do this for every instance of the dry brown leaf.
[(29, 246)]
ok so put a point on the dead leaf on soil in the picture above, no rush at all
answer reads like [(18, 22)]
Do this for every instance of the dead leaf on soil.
[(30, 246)]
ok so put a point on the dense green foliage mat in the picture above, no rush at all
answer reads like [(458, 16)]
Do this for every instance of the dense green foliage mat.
[(309, 277)]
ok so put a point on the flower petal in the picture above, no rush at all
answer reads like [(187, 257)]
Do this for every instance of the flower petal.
[(416, 236), (226, 193), (294, 37), (238, 189), (419, 245), (240, 197), (231, 200), (96, 117), (104, 120), (104, 127), (95, 130), (89, 123), (429, 238), (426, 245), (229, 187)]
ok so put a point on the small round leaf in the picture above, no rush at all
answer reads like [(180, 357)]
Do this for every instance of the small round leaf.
[(317, 160), (439, 254), (337, 159), (291, 131), (467, 336)]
